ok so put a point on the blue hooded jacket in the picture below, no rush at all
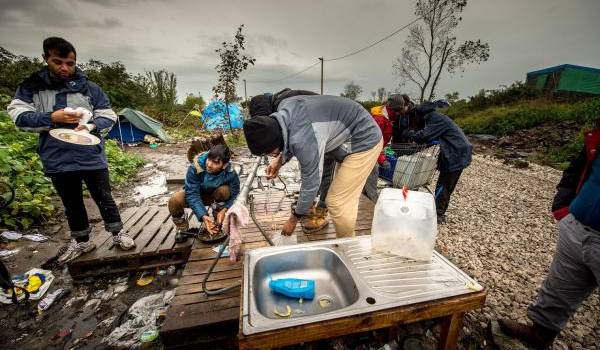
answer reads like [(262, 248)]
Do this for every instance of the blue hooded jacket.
[(199, 181), (40, 95), (455, 148)]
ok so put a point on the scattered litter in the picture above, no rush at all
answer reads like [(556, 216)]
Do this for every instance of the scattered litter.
[(120, 280), (107, 322), (93, 304), (149, 165), (162, 272), (63, 333), (225, 252), (36, 237), (11, 235), (108, 294), (171, 270), (141, 317), (35, 281), (149, 336), (5, 253), (288, 311), (301, 300), (122, 288), (293, 287), (325, 302), (145, 279), (51, 298), (155, 186)]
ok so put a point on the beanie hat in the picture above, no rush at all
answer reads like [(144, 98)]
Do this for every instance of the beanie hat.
[(263, 134), (260, 105)]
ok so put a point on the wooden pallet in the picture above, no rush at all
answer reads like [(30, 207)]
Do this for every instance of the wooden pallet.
[(154, 236), (195, 320)]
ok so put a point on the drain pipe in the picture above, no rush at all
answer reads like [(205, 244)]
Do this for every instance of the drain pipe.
[(241, 199)]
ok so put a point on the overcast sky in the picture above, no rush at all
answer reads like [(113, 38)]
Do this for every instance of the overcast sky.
[(287, 36)]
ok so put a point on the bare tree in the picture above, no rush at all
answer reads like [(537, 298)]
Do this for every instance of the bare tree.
[(352, 91), (233, 63), (431, 46)]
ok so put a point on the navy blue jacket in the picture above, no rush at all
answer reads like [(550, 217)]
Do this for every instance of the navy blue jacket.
[(40, 95), (198, 181), (455, 148)]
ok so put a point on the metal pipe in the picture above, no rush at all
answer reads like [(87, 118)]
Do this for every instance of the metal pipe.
[(241, 199)]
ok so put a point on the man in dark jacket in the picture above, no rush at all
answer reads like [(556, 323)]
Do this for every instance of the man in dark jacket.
[(39, 106), (575, 269), (455, 149), (210, 180)]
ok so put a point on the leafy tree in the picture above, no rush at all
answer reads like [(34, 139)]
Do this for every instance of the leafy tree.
[(431, 46), (352, 91), (123, 89), (233, 63), (14, 69), (452, 97), (193, 102)]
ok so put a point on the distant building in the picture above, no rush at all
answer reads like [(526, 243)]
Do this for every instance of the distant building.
[(566, 78)]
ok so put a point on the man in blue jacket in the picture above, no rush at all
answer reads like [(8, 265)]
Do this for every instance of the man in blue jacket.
[(210, 180), (39, 106), (455, 148)]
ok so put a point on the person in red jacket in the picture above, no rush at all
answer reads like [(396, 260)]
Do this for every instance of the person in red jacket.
[(383, 116)]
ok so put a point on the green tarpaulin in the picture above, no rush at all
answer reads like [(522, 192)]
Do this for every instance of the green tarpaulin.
[(144, 123), (566, 78)]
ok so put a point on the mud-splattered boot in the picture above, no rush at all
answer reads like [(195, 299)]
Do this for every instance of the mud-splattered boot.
[(315, 220)]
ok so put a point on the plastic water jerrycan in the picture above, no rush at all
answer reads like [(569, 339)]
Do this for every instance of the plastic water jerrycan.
[(405, 224)]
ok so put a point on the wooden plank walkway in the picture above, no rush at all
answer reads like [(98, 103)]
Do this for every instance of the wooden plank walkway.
[(195, 319), (154, 236)]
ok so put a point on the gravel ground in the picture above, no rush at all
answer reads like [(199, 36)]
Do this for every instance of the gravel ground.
[(501, 232)]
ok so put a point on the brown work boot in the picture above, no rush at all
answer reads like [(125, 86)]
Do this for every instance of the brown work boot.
[(536, 336), (315, 220)]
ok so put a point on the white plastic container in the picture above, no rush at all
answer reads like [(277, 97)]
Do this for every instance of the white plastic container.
[(405, 227)]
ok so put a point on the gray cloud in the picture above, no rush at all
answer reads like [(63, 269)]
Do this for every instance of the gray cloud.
[(286, 37)]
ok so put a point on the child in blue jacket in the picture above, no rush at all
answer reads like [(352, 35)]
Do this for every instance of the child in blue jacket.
[(210, 181)]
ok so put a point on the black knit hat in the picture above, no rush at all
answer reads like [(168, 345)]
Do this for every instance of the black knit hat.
[(263, 134), (260, 105)]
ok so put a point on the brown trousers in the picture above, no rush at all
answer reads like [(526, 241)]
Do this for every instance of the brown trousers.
[(177, 202)]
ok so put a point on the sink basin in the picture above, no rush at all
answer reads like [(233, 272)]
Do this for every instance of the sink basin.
[(350, 279), (334, 285)]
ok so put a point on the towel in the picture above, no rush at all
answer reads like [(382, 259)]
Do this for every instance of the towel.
[(236, 218)]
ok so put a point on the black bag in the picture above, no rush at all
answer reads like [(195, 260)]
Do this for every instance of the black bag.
[(6, 283)]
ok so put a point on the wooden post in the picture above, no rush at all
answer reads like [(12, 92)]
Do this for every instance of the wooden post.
[(321, 59), (451, 325)]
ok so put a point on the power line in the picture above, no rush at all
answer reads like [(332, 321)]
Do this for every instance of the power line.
[(290, 75)]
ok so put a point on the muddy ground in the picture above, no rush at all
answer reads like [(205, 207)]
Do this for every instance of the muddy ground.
[(499, 231)]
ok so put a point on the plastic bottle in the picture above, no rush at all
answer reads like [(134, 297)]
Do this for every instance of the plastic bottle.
[(294, 287)]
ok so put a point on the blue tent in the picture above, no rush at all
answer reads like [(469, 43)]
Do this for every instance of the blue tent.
[(214, 117), (134, 125)]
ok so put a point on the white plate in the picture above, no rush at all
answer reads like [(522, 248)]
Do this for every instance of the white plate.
[(75, 137)]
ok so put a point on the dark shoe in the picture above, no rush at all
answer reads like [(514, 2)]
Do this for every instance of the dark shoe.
[(441, 219), (536, 336)]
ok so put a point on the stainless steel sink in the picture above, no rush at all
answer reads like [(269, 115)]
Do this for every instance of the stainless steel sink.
[(350, 279), (335, 287)]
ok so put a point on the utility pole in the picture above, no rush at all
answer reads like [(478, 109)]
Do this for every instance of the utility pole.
[(321, 59), (245, 91)]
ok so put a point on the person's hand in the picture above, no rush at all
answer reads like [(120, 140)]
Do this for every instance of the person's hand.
[(209, 224), (86, 127), (273, 167), (289, 226), (221, 216), (65, 117)]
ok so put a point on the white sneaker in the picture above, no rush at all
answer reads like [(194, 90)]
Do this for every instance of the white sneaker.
[(75, 249), (123, 241)]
